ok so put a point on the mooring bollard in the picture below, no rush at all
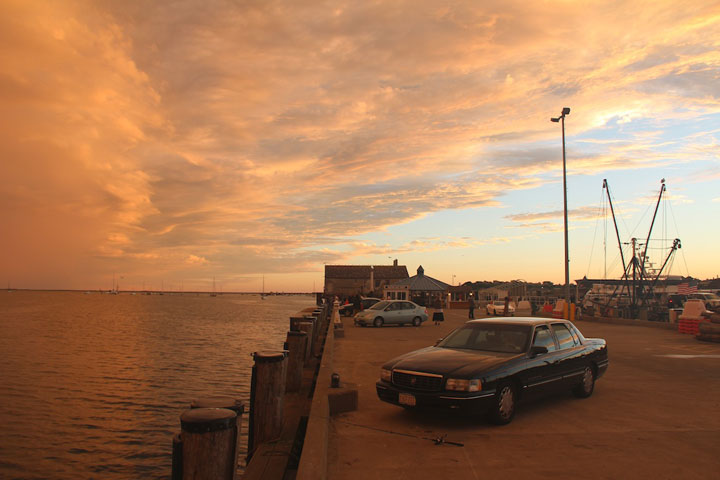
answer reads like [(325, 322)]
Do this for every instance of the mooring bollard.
[(267, 393), (227, 402), (209, 438), (307, 328)]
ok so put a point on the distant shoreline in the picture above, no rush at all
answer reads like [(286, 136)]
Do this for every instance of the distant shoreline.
[(157, 292)]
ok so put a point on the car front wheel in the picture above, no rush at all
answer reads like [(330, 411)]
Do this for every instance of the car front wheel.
[(378, 322), (503, 410), (587, 383)]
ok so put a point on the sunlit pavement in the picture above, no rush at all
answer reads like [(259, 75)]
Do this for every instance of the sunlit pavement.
[(655, 414)]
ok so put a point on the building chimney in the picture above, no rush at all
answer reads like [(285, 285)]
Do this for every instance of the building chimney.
[(395, 263)]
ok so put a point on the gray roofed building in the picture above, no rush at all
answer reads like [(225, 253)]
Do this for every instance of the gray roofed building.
[(422, 282), (420, 288)]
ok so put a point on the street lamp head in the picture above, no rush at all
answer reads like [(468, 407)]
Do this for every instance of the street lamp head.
[(555, 119), (566, 111)]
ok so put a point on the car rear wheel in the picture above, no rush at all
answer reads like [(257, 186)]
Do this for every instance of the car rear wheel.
[(378, 322), (503, 410), (416, 322), (587, 383)]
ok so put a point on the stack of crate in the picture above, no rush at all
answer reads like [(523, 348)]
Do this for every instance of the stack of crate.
[(689, 325), (709, 330), (691, 317)]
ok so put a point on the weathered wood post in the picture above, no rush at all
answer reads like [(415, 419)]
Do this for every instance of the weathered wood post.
[(315, 332), (230, 403), (307, 328), (267, 393), (209, 437), (322, 318), (177, 457), (295, 322), (296, 345)]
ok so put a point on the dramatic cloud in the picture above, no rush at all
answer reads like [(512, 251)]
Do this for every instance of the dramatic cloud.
[(192, 139)]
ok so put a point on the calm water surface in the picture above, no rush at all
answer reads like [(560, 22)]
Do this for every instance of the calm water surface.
[(93, 385)]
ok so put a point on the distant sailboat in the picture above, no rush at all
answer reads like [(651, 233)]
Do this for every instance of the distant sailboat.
[(114, 290), (213, 293), (262, 295)]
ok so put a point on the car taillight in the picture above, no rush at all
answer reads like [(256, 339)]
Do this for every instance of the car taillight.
[(426, 312)]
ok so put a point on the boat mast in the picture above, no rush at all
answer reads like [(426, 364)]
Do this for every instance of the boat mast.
[(617, 234), (643, 258), (657, 205)]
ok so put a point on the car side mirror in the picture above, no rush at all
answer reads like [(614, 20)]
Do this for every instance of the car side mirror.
[(438, 341), (536, 350)]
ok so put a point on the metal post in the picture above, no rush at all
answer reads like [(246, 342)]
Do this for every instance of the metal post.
[(567, 257)]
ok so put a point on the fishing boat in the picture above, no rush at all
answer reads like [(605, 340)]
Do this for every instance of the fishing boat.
[(643, 290)]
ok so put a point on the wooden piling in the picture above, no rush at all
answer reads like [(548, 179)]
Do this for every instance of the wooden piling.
[(177, 458), (295, 322), (209, 443), (316, 329), (307, 328), (267, 393), (230, 403), (296, 345)]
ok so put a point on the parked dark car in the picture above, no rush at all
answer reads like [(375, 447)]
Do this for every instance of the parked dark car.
[(489, 365), (676, 301), (349, 309), (367, 302), (346, 310)]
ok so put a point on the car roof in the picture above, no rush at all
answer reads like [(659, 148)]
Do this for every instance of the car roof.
[(518, 320)]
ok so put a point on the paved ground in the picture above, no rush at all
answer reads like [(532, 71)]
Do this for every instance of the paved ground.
[(655, 414)]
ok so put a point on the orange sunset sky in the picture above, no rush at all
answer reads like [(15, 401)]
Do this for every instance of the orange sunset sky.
[(170, 143)]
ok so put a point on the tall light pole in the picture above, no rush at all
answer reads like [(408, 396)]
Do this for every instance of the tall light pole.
[(561, 118)]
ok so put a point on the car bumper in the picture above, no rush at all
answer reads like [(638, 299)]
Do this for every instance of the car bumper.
[(602, 368), (465, 401)]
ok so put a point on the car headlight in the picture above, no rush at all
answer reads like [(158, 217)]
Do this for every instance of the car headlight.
[(386, 375), (463, 385)]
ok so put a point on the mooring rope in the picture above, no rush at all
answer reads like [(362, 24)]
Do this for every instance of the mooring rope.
[(440, 440)]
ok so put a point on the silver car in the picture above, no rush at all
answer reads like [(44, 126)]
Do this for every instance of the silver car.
[(392, 312), (497, 307)]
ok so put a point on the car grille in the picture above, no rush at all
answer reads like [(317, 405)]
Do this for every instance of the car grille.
[(426, 382)]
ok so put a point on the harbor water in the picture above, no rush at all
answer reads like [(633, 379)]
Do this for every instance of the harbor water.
[(93, 384)]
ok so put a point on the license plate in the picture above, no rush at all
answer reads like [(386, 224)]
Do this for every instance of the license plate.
[(406, 399)]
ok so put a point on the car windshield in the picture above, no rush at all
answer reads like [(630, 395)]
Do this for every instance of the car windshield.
[(380, 305), (490, 337)]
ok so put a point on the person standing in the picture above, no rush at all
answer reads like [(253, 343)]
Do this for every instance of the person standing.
[(438, 315), (471, 306)]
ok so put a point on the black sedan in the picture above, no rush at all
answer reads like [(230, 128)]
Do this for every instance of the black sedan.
[(489, 365)]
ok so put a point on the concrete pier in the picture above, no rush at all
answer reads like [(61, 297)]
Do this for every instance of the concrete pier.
[(653, 415)]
